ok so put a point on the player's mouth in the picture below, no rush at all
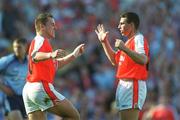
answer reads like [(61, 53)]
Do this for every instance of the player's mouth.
[(121, 32)]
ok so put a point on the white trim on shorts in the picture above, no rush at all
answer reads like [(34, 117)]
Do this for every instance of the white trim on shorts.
[(130, 94), (39, 96)]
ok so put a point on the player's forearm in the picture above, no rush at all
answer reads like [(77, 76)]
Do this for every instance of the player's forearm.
[(65, 60), (6, 90), (110, 53), (138, 58), (40, 56)]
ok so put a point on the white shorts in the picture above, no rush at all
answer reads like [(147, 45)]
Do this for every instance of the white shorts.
[(39, 96), (130, 94)]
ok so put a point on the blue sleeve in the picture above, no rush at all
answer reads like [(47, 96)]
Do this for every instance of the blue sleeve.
[(4, 61)]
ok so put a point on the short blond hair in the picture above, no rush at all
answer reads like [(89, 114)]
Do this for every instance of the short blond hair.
[(42, 19)]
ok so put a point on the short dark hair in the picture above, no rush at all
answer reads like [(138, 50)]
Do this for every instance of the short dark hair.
[(131, 18), (42, 18), (20, 41)]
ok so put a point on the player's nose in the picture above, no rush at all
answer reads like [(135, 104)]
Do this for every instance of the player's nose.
[(119, 26)]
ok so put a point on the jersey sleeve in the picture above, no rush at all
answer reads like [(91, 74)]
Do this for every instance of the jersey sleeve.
[(38, 44), (4, 61), (139, 44)]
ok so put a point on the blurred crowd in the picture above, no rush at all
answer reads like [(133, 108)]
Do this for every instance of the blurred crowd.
[(90, 82)]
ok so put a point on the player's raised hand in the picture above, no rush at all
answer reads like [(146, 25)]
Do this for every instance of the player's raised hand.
[(101, 33), (79, 50)]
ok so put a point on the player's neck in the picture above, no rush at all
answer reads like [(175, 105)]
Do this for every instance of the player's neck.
[(42, 34), (21, 58), (131, 35)]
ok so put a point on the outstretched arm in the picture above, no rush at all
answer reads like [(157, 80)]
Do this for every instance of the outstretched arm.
[(79, 50), (102, 36), (40, 56)]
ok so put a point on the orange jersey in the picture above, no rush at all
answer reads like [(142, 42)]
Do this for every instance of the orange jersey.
[(128, 68), (42, 70)]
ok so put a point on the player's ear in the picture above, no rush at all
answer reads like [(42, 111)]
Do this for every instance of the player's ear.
[(132, 25), (41, 26)]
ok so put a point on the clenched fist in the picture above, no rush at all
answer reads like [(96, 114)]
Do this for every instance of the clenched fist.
[(120, 44)]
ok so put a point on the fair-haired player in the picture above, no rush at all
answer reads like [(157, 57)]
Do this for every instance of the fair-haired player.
[(39, 94), (131, 61)]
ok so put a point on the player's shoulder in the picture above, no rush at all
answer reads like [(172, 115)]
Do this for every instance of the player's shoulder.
[(10, 56), (7, 59), (139, 36), (39, 38)]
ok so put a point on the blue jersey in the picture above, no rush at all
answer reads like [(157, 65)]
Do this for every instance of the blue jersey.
[(13, 72)]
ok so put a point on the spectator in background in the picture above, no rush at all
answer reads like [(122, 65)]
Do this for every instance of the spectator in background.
[(13, 68), (162, 111), (10, 15), (131, 60)]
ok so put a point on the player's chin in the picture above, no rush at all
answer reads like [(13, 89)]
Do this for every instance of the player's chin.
[(122, 33), (53, 36)]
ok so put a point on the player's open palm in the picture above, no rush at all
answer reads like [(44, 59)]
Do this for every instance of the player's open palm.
[(79, 50), (101, 33)]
